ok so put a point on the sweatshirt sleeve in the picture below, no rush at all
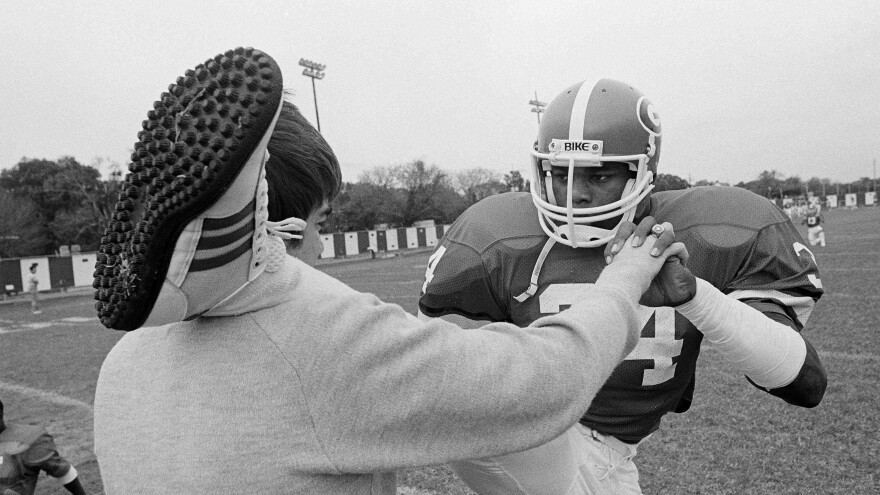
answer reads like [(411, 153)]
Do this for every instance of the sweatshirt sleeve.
[(386, 390)]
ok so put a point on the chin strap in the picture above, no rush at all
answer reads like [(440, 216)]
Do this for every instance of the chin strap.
[(548, 187), (536, 272)]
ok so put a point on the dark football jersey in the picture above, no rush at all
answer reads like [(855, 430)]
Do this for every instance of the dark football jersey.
[(24, 451), (813, 220), (738, 241)]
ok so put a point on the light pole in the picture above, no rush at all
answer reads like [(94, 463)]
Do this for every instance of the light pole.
[(539, 106), (315, 71)]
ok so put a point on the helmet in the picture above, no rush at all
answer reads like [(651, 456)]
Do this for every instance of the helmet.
[(584, 126)]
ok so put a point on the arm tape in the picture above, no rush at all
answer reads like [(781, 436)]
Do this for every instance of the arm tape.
[(769, 353), (69, 476)]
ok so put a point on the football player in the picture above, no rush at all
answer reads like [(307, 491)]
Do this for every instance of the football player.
[(813, 221), (33, 282), (516, 257), (25, 450)]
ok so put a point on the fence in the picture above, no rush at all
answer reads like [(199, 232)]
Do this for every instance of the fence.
[(353, 243), (77, 269), (53, 272), (850, 199)]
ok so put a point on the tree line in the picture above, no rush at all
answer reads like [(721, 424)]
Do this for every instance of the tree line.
[(47, 204)]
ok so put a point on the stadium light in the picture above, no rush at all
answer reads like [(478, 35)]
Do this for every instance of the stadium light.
[(539, 106), (313, 70)]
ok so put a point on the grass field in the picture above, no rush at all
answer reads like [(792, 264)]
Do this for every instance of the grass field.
[(734, 440)]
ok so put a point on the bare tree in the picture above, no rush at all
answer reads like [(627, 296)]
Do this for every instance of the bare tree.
[(379, 176), (404, 193), (477, 183), (515, 181), (668, 182), (422, 186), (467, 180)]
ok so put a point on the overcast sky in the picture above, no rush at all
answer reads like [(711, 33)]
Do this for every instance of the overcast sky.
[(740, 86)]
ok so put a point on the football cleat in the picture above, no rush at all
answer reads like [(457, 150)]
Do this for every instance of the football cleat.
[(188, 228)]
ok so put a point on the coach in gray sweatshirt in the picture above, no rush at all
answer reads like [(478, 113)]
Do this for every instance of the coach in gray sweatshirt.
[(297, 383)]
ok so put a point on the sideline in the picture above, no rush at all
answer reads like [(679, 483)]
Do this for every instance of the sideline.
[(44, 395), (380, 255), (25, 297)]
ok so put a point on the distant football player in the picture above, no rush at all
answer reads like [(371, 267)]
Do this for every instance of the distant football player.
[(33, 283), (25, 450), (518, 257), (815, 232)]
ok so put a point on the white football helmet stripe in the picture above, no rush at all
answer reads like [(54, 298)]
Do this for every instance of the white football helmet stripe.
[(579, 109)]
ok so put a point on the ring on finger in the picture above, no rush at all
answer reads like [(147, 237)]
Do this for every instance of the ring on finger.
[(658, 230)]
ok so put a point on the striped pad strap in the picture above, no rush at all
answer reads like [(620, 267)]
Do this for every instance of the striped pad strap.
[(224, 239)]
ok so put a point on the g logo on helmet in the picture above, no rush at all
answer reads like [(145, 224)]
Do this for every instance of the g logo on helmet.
[(648, 116)]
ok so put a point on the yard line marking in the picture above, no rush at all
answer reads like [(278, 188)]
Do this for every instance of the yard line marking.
[(77, 319), (45, 395), (846, 355), (26, 326), (10, 326)]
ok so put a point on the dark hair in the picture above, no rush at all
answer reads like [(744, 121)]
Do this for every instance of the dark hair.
[(302, 170), (34, 266)]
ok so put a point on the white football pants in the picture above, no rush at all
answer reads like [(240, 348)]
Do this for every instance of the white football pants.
[(816, 236), (581, 461)]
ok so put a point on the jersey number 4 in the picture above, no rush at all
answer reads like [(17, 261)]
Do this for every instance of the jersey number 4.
[(800, 248), (661, 347), (432, 264)]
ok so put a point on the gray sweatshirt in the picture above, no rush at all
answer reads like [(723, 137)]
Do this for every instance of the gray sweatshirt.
[(301, 384)]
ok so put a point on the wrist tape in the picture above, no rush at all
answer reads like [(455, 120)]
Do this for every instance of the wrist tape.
[(768, 352), (69, 476)]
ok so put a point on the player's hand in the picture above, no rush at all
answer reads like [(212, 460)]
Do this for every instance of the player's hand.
[(674, 285), (640, 258), (639, 233)]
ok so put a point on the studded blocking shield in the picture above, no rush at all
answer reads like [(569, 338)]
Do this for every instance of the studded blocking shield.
[(192, 146)]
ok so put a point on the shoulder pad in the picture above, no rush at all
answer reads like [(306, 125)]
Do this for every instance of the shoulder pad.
[(496, 218), (724, 217), (739, 240)]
